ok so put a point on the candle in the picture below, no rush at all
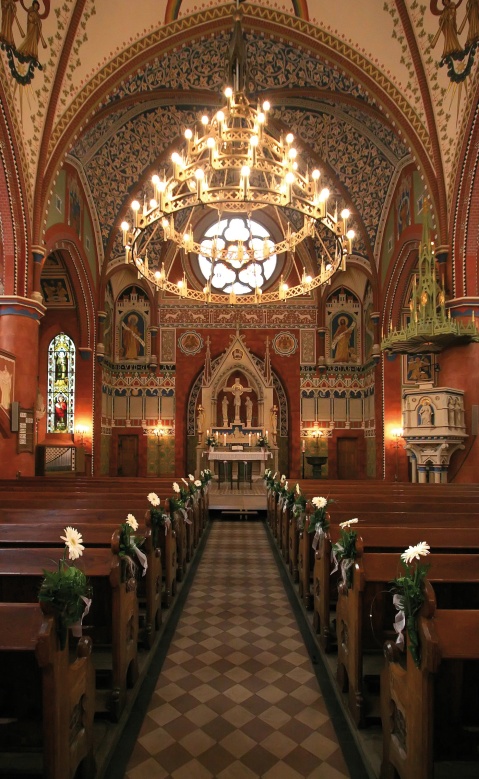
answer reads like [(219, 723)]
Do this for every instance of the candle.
[(266, 434), (207, 432), (303, 447), (249, 439), (224, 439)]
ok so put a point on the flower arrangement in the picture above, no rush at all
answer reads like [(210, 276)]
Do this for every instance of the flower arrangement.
[(159, 519), (205, 477), (269, 478), (408, 597), (130, 546), (318, 519), (178, 501), (262, 441), (211, 441), (66, 592), (344, 552), (299, 502), (288, 497)]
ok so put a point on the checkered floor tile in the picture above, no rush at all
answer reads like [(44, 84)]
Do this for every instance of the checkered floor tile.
[(237, 697)]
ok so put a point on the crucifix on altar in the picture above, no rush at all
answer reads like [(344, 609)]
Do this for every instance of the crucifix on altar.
[(237, 389)]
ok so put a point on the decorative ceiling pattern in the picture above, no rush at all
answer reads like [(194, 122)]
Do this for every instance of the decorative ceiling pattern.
[(272, 65), (362, 151)]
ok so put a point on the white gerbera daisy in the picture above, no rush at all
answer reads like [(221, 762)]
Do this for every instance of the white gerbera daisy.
[(184, 481), (286, 485), (283, 478), (415, 552), (153, 498), (131, 521), (348, 522), (275, 474), (320, 503), (298, 490), (176, 487), (191, 477), (74, 542), (197, 483)]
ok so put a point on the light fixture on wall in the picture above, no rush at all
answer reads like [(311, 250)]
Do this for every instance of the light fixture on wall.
[(159, 433), (233, 163), (81, 431), (397, 433)]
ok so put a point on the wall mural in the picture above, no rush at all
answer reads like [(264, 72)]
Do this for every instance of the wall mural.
[(343, 328), (132, 317), (75, 205), (7, 381), (458, 57), (418, 368), (190, 343), (23, 58), (56, 291), (285, 344)]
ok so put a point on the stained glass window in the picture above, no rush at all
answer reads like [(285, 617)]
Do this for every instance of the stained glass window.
[(61, 385), (240, 274)]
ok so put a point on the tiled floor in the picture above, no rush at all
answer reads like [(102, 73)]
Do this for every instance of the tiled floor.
[(237, 697)]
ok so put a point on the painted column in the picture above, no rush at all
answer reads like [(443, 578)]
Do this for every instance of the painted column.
[(19, 335), (38, 253)]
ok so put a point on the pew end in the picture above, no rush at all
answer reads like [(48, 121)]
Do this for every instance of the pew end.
[(46, 697), (422, 707)]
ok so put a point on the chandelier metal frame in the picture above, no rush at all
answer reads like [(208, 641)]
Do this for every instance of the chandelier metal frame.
[(233, 164)]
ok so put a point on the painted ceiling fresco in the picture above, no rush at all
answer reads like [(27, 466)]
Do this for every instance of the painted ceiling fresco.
[(144, 71)]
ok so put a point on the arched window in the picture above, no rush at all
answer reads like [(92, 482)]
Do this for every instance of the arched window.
[(61, 385), (240, 273)]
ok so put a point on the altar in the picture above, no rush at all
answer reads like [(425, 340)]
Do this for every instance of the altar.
[(255, 456)]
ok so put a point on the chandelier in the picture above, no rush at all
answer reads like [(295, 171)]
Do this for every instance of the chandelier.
[(233, 164)]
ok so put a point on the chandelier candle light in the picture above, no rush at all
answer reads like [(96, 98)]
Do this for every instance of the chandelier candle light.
[(232, 163)]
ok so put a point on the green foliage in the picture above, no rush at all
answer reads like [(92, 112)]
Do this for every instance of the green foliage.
[(62, 591), (410, 591), (344, 552)]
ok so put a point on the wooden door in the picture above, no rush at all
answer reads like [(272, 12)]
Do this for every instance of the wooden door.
[(127, 455), (348, 464)]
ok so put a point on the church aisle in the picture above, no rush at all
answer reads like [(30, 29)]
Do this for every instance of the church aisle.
[(237, 697)]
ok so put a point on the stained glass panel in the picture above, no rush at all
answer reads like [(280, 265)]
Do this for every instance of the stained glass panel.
[(61, 385)]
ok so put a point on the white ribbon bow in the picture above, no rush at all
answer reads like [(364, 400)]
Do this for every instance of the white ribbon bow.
[(344, 566), (317, 536), (142, 558), (399, 621)]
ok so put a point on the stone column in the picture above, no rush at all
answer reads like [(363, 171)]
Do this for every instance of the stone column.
[(38, 253)]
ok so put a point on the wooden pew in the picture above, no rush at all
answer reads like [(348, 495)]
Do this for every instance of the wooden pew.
[(408, 693), (113, 616), (373, 537), (356, 633), (149, 587), (46, 700)]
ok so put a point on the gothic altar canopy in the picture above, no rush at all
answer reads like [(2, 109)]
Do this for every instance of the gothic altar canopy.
[(237, 398)]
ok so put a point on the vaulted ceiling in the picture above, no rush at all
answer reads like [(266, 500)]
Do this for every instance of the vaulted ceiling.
[(358, 82)]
